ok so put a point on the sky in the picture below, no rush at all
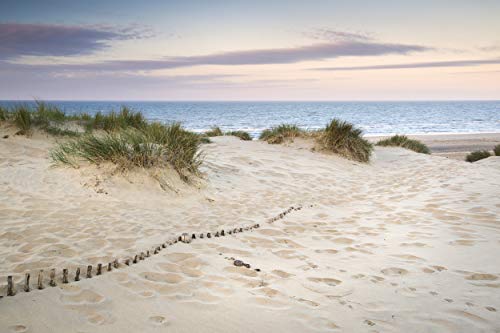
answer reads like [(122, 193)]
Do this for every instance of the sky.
[(250, 50)]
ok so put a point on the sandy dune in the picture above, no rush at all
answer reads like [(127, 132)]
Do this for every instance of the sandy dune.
[(407, 243)]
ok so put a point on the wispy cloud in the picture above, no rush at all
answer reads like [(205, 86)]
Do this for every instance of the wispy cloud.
[(451, 63), (248, 57), (19, 39), (336, 35)]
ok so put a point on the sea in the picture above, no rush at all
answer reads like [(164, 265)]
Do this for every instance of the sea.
[(374, 118)]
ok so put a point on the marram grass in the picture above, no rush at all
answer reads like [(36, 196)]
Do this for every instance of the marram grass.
[(477, 155), (240, 134), (281, 133), (344, 139), (155, 145), (404, 142)]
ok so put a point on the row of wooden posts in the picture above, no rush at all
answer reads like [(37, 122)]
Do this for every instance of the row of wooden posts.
[(185, 238)]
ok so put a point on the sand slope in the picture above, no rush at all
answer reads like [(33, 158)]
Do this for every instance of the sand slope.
[(407, 243)]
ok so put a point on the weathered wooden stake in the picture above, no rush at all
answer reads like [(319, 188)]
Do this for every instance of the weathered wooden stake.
[(147, 254), (127, 262), (222, 233), (99, 269), (27, 282), (77, 274), (89, 271), (52, 281), (202, 236), (10, 286), (209, 235), (116, 264), (216, 234), (65, 275), (40, 279), (141, 256), (135, 259), (109, 266), (193, 236)]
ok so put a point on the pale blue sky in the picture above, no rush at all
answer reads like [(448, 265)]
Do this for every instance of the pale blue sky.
[(250, 50)]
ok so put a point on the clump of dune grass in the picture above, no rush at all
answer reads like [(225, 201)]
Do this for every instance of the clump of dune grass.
[(343, 138), (114, 121), (155, 145), (240, 134), (496, 150), (281, 133), (214, 131), (23, 121), (4, 114), (477, 155), (404, 142)]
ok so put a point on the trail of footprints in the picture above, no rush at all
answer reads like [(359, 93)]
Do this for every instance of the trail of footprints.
[(54, 279)]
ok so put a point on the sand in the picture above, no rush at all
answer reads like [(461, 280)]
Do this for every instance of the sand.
[(409, 242)]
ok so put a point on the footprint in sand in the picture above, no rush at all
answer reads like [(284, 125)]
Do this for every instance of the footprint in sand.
[(394, 271), (482, 277), (18, 328), (158, 320)]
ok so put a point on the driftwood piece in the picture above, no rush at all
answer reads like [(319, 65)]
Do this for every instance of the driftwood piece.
[(52, 281), (65, 276), (77, 274), (10, 286)]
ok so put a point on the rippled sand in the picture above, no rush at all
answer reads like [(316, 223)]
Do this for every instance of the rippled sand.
[(407, 243)]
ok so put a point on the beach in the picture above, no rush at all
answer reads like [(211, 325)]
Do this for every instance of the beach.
[(407, 242)]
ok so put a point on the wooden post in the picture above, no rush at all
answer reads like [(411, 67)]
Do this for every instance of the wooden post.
[(135, 259), (127, 262), (141, 256), (222, 233), (27, 282), (109, 266), (40, 279), (164, 245), (52, 281), (77, 274), (65, 275), (209, 235), (193, 236), (201, 236), (241, 229), (116, 264), (230, 232), (89, 271), (10, 286), (147, 254), (216, 234), (99, 269)]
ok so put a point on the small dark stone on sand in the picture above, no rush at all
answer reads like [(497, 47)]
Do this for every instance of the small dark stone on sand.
[(238, 263), (5, 136), (257, 269)]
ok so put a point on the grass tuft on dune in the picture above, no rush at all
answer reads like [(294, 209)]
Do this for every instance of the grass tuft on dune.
[(155, 145), (404, 142), (240, 134), (341, 137), (496, 150), (281, 133), (477, 155)]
